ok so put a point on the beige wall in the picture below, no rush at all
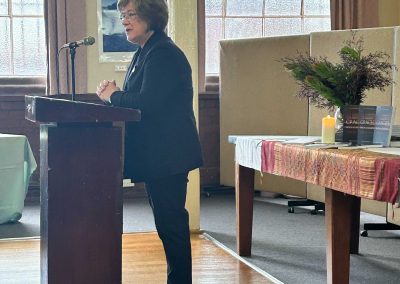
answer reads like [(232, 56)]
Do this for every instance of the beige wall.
[(257, 98), (393, 215), (183, 29), (389, 13)]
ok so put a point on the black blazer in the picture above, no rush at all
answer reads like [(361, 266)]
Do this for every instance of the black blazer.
[(159, 83)]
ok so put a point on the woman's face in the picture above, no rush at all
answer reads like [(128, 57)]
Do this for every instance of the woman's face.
[(136, 29)]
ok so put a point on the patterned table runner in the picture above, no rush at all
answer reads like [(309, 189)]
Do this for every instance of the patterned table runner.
[(357, 172)]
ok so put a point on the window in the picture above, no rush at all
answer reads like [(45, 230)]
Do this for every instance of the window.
[(227, 19), (22, 38)]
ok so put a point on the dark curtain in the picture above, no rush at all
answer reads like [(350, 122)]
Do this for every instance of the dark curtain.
[(354, 14), (65, 21)]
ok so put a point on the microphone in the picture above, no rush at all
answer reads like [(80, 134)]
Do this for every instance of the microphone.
[(86, 41), (72, 50)]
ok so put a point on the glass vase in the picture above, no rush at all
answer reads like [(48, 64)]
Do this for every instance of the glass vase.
[(339, 119), (338, 125)]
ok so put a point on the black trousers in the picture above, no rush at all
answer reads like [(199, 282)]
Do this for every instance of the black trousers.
[(167, 198)]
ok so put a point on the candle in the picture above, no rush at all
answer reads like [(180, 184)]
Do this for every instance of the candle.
[(328, 129)]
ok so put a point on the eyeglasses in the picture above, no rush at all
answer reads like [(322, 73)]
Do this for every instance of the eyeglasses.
[(130, 16)]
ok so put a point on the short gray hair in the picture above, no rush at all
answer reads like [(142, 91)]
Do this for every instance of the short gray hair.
[(153, 12)]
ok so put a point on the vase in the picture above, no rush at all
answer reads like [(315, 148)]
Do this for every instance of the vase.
[(364, 125), (338, 125)]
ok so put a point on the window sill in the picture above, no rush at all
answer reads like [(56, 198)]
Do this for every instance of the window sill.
[(22, 85)]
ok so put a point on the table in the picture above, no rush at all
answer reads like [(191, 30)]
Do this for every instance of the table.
[(16, 166), (360, 173)]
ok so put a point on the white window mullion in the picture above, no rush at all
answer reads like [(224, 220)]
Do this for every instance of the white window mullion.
[(224, 8), (10, 13), (263, 19), (302, 16), (30, 35)]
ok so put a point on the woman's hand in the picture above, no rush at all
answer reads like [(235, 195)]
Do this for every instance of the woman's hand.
[(105, 89)]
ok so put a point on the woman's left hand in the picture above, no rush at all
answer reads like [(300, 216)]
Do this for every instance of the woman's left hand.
[(106, 89)]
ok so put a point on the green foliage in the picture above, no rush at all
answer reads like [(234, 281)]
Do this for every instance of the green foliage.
[(328, 85)]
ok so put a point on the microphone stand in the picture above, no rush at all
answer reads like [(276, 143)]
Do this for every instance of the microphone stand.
[(72, 51)]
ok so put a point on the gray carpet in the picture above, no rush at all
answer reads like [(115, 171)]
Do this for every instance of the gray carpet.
[(291, 247)]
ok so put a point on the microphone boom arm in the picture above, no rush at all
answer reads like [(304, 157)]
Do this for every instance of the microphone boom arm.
[(72, 51)]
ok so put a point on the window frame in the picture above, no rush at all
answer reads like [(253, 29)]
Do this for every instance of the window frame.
[(22, 85), (17, 84), (224, 16)]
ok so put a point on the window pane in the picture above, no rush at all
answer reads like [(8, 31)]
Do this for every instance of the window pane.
[(27, 7), (242, 28), (213, 35), (317, 7), (29, 46), (317, 24), (3, 7), (282, 7), (5, 54), (282, 26), (213, 7), (244, 8)]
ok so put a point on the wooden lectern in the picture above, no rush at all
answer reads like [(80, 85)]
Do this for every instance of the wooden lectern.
[(80, 189)]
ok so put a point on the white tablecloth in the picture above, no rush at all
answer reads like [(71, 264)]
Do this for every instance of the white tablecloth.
[(16, 167), (248, 147)]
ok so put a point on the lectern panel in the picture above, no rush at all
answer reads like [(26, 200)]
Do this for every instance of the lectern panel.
[(81, 224), (80, 183)]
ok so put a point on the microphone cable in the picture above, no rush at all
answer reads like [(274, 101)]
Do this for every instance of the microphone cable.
[(58, 70)]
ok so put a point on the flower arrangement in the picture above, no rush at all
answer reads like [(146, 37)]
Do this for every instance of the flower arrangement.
[(327, 85)]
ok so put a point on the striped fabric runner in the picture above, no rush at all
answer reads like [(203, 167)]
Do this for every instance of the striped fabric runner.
[(355, 171)]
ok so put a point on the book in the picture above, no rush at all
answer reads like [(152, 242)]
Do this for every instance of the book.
[(361, 146), (303, 140), (327, 145), (392, 151), (395, 144)]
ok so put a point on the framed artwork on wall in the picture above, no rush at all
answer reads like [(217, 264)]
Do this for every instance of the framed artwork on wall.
[(113, 46)]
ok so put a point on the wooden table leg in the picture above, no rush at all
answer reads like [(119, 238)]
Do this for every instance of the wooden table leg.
[(355, 223), (244, 187), (340, 216)]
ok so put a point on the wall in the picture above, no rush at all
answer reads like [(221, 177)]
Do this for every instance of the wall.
[(256, 98), (389, 13), (209, 138), (183, 30)]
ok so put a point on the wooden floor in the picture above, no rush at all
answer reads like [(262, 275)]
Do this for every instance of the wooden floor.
[(143, 262)]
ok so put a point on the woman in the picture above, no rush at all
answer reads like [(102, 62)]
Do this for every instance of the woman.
[(162, 148)]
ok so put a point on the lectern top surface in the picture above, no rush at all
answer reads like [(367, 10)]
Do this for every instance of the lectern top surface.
[(47, 110)]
